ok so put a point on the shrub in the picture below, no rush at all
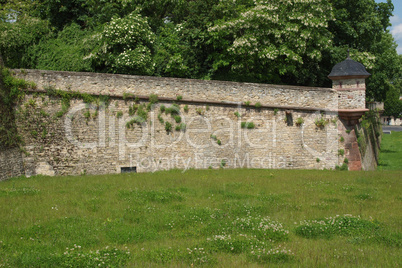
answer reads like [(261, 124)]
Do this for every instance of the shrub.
[(341, 152), (322, 122), (276, 110), (177, 118), (142, 113), (183, 126), (199, 111), (162, 108), (137, 120), (127, 96), (299, 121), (87, 114), (132, 109), (223, 163), (247, 103), (153, 98), (161, 119), (179, 97), (168, 126), (237, 114), (342, 168), (249, 125), (119, 114), (185, 108), (342, 139), (173, 110), (258, 105), (213, 137), (219, 142)]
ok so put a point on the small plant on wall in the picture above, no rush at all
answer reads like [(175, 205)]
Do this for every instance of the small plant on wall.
[(299, 121), (199, 111), (249, 125), (168, 126), (181, 127), (321, 122), (223, 163), (119, 114), (153, 98)]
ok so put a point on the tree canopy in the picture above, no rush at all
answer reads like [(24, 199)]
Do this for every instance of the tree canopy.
[(272, 41)]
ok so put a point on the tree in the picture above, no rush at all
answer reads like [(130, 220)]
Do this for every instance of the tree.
[(273, 38), (65, 52), (125, 46), (362, 26), (17, 36), (61, 13), (392, 104)]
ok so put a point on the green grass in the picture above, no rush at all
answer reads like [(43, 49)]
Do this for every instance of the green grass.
[(391, 151), (224, 218)]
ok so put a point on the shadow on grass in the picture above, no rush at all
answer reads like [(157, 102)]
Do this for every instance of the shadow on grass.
[(388, 151)]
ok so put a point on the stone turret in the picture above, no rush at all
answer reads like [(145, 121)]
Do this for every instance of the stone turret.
[(349, 80)]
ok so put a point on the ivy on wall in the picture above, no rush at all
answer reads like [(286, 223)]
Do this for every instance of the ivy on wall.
[(12, 91)]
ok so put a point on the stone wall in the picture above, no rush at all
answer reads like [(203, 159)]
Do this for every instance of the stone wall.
[(95, 139), (190, 89), (369, 147), (11, 164)]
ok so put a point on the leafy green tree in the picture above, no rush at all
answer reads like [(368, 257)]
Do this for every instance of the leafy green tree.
[(66, 52), (169, 57), (17, 36), (387, 69), (362, 26), (360, 23), (61, 13), (392, 104), (125, 46), (274, 38)]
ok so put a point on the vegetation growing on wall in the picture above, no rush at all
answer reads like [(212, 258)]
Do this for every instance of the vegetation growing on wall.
[(11, 92), (370, 129)]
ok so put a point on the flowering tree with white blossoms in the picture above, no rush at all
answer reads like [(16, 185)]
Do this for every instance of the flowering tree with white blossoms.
[(126, 46), (274, 37)]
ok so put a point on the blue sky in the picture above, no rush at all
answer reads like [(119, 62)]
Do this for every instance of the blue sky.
[(396, 21)]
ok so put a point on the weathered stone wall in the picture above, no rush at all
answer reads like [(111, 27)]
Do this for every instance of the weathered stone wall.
[(87, 140), (114, 84), (95, 139), (11, 164), (369, 147)]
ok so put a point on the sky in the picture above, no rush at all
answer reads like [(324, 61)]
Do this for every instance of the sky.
[(396, 21)]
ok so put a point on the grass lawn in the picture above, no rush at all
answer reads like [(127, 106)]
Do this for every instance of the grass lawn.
[(224, 218), (391, 151)]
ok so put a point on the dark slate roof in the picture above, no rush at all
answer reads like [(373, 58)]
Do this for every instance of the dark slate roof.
[(348, 67)]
